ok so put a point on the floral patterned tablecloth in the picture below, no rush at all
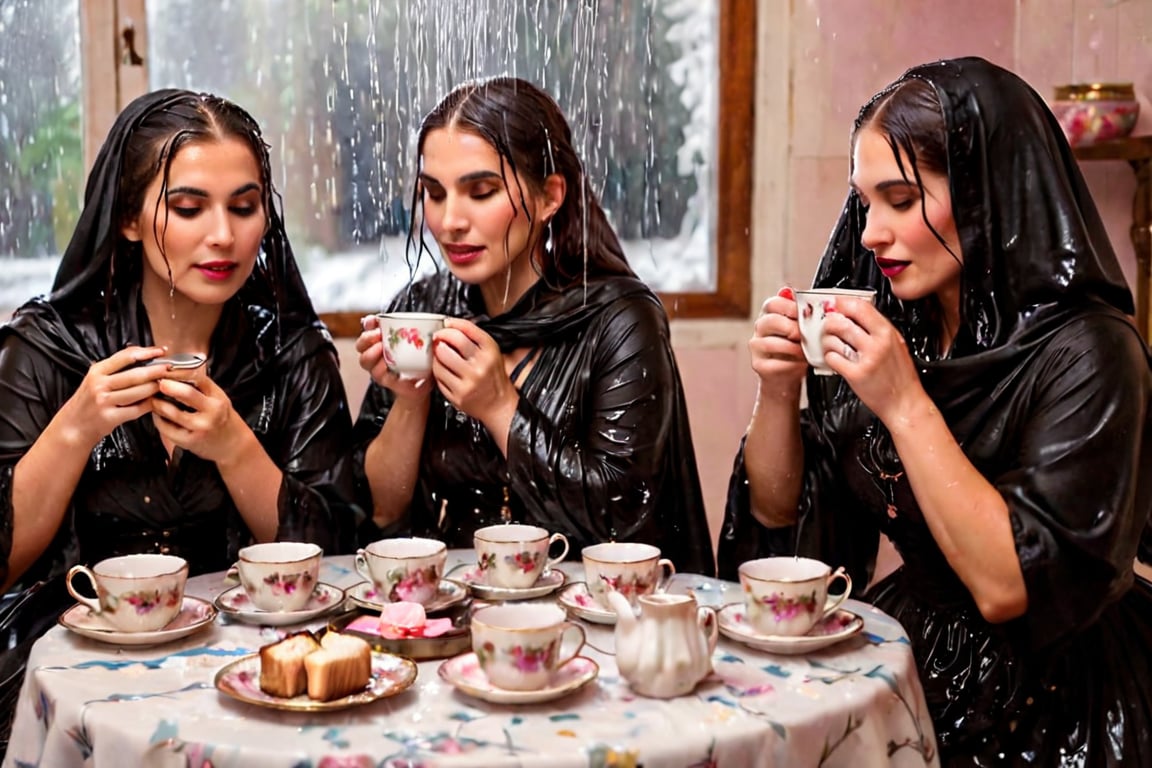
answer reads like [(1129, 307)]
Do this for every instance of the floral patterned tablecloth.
[(859, 704)]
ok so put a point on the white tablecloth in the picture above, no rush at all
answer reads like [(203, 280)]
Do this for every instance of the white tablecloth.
[(859, 704)]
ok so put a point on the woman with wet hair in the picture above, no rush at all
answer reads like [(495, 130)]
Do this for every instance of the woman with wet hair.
[(554, 397), (990, 416), (105, 449)]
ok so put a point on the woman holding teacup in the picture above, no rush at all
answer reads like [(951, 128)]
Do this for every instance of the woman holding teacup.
[(553, 397), (176, 393), (990, 416)]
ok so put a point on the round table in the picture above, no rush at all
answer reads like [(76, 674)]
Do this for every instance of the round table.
[(858, 703)]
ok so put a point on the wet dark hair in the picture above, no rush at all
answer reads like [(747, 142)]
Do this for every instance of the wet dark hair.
[(101, 264), (909, 115), (188, 118), (530, 134)]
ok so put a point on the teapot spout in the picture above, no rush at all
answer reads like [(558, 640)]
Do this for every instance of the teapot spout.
[(625, 616)]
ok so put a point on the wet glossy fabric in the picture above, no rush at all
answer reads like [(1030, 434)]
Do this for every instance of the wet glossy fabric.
[(600, 447), (1047, 391), (269, 353)]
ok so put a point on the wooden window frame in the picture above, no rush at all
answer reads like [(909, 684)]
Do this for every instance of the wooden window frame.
[(109, 84)]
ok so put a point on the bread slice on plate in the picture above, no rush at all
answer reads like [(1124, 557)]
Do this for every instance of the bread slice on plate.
[(282, 671), (342, 666)]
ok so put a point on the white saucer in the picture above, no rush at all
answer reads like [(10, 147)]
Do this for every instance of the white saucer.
[(580, 603), (549, 581), (463, 672), (236, 604), (195, 614), (836, 627), (449, 594)]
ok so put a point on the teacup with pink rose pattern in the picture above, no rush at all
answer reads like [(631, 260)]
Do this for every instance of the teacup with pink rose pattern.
[(279, 576), (518, 645), (134, 593), (789, 595), (403, 569), (407, 341), (513, 556), (632, 569)]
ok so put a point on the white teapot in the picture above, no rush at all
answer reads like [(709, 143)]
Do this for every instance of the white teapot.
[(667, 650)]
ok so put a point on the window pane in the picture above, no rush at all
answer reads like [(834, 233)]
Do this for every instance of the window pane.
[(340, 88), (41, 158)]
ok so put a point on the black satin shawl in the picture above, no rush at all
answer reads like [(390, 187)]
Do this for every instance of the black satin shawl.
[(269, 352), (600, 446), (1047, 391)]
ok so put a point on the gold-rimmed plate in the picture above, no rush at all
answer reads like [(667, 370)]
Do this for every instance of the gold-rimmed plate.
[(391, 674)]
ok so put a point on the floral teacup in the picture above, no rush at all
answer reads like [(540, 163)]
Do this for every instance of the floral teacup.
[(135, 593), (407, 340), (624, 567), (513, 556), (519, 645), (403, 569), (789, 595), (279, 576)]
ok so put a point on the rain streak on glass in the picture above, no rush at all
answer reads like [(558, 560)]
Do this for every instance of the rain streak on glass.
[(340, 87), (41, 158)]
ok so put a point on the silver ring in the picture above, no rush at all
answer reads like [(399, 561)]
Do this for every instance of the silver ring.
[(849, 353)]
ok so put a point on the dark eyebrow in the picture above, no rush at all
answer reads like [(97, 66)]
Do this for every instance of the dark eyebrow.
[(465, 179), (886, 185), (196, 192)]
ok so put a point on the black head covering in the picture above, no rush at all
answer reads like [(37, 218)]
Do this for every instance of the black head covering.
[(99, 267), (1029, 232)]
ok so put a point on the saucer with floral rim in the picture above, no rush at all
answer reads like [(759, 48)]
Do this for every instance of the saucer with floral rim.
[(448, 594), (195, 614), (463, 673), (580, 603), (548, 582), (391, 674), (834, 628), (235, 604)]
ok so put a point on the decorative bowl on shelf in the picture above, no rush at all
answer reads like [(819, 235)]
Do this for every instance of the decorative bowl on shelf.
[(1094, 112)]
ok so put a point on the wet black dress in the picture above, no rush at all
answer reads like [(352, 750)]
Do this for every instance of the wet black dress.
[(1048, 394), (600, 447)]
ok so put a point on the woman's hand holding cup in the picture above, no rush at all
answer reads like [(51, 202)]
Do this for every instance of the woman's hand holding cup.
[(775, 348)]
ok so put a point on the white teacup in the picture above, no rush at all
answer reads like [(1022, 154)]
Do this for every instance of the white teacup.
[(789, 595), (135, 593), (407, 338), (518, 645), (812, 307), (625, 567), (403, 569), (279, 576), (513, 556)]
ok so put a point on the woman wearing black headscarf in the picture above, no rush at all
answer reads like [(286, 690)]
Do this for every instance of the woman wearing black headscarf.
[(554, 398), (180, 249), (990, 417)]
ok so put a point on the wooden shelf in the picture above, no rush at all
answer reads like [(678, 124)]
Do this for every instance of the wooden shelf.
[(1137, 152)]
